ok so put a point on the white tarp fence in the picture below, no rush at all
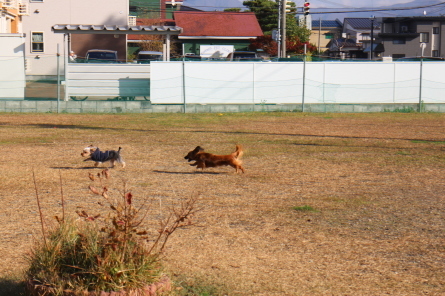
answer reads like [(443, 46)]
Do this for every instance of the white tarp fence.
[(282, 82)]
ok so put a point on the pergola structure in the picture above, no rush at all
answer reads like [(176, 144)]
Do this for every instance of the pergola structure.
[(167, 31)]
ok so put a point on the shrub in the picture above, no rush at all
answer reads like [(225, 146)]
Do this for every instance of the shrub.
[(113, 253)]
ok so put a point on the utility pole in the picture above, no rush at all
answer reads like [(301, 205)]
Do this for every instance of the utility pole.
[(279, 30), (371, 52), (319, 35), (283, 28)]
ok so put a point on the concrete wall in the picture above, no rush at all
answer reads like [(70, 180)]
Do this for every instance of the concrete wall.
[(147, 107)]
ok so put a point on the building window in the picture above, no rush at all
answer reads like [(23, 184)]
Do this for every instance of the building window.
[(36, 41), (169, 11), (435, 53), (435, 30), (366, 37), (424, 37), (399, 41), (329, 36), (36, 1)]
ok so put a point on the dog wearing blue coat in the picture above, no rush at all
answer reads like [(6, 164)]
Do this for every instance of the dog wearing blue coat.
[(93, 153)]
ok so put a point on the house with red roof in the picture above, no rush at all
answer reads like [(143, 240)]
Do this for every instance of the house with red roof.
[(216, 28), (206, 29)]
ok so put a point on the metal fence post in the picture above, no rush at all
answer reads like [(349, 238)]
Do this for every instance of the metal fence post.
[(183, 84), (58, 79), (304, 78), (422, 46)]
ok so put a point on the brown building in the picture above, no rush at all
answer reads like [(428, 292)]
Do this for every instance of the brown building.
[(323, 32)]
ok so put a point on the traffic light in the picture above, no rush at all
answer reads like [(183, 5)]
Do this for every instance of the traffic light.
[(288, 6), (306, 8)]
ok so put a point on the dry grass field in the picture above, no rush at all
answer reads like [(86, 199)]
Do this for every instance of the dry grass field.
[(330, 204)]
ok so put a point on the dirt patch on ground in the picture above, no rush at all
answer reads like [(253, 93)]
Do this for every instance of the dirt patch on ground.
[(338, 204)]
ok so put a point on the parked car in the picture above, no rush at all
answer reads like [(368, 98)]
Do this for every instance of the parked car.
[(145, 57), (101, 56), (243, 56)]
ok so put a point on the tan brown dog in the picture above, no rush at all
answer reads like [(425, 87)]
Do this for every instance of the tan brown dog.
[(209, 160), (94, 154)]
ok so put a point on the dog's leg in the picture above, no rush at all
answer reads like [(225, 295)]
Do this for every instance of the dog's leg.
[(238, 167), (123, 164), (112, 163)]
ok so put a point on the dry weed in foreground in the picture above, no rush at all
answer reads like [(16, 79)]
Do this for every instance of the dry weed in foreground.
[(94, 255)]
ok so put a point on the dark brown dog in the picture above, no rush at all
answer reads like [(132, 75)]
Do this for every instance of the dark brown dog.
[(209, 160)]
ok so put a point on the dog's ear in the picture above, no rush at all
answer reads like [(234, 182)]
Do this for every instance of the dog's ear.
[(199, 148), (196, 150)]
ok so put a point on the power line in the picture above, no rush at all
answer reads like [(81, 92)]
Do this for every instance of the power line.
[(312, 12), (376, 10)]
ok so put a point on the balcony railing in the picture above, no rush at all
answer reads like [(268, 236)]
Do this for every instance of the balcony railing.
[(9, 3), (23, 9)]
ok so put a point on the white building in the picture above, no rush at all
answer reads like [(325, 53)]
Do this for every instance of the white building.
[(42, 44)]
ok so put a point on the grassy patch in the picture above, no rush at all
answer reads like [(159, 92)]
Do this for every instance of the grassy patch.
[(197, 287), (427, 142), (305, 208)]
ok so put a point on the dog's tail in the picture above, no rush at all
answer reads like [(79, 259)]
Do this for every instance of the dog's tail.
[(119, 158), (238, 152)]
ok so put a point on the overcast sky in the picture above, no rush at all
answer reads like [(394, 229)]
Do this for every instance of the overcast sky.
[(221, 4)]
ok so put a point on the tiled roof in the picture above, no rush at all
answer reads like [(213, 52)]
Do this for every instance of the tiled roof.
[(218, 24), (327, 24), (361, 23)]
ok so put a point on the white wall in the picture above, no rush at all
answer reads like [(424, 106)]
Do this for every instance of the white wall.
[(108, 80), (12, 72), (282, 83), (44, 15)]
